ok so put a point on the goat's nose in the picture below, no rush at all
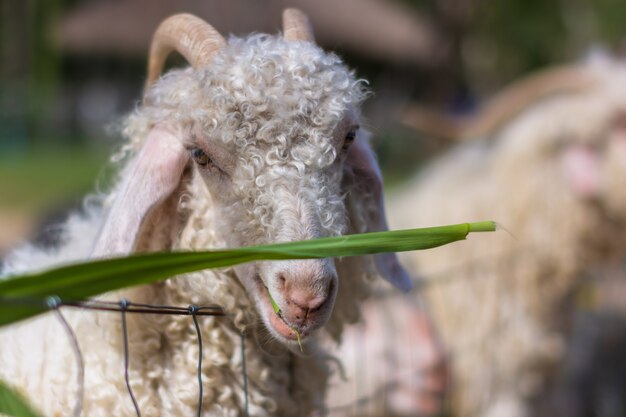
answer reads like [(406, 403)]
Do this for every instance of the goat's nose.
[(303, 302), (305, 299), (303, 305)]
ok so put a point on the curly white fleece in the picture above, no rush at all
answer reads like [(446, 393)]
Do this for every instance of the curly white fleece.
[(501, 300), (274, 104)]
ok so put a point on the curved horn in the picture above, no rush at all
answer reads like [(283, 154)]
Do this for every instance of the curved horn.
[(503, 107), (296, 26), (191, 36)]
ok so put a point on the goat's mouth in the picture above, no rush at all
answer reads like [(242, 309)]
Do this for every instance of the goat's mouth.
[(273, 318)]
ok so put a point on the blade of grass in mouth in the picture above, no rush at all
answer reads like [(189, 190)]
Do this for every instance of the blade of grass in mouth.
[(277, 311)]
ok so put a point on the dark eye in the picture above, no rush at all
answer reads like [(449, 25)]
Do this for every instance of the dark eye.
[(350, 137), (200, 157)]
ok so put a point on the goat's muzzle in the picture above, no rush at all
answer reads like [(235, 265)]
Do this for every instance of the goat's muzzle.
[(305, 292), (304, 306)]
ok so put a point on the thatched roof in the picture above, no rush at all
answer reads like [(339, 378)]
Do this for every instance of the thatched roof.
[(378, 29)]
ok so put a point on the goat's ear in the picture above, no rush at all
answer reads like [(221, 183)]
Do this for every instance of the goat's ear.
[(364, 186), (142, 197)]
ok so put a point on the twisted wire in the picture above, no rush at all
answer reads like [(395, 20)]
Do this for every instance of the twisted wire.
[(101, 305), (193, 309), (54, 304), (124, 304), (245, 374)]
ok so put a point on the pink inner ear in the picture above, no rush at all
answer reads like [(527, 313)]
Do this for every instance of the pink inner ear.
[(581, 170), (152, 177)]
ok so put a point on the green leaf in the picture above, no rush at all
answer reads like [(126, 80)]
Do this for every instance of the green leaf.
[(14, 405), (299, 339), (82, 280), (273, 303)]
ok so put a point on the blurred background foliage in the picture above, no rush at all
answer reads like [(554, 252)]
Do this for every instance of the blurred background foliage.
[(59, 98)]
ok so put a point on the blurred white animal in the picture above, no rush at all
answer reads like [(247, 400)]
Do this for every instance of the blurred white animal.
[(553, 173)]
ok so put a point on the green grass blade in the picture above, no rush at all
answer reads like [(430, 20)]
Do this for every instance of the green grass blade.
[(14, 405), (486, 226), (275, 306), (299, 339), (87, 279)]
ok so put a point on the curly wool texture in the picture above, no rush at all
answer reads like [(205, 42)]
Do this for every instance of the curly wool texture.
[(275, 105), (502, 302)]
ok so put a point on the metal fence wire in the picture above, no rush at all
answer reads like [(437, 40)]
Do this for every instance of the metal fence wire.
[(124, 307)]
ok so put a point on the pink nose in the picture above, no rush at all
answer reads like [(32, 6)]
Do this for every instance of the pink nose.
[(302, 303), (306, 303)]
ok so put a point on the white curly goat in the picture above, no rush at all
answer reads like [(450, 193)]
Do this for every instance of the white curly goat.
[(257, 142), (555, 176)]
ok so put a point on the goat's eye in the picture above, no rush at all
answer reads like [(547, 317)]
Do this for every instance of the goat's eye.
[(200, 157), (350, 137)]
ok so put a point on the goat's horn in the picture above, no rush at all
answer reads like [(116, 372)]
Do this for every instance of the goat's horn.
[(503, 107), (296, 26), (191, 36)]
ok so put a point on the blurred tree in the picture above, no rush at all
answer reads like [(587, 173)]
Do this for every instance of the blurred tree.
[(29, 69), (494, 42), (487, 45), (45, 74)]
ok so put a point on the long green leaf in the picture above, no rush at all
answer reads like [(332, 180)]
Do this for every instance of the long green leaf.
[(83, 280), (13, 404)]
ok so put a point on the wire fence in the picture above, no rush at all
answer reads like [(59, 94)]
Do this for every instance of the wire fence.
[(124, 307)]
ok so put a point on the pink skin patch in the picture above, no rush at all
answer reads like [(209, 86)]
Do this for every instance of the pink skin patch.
[(394, 355), (281, 327), (618, 141), (581, 169), (422, 381)]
